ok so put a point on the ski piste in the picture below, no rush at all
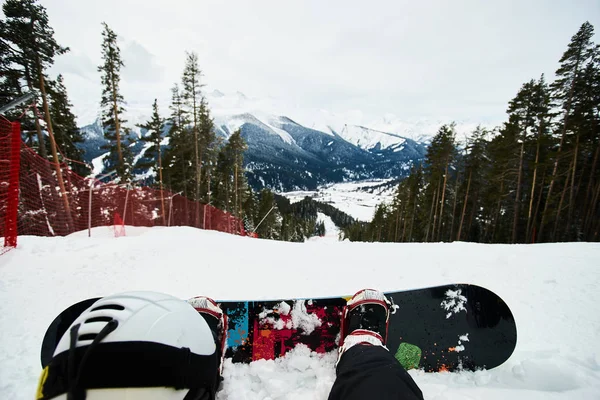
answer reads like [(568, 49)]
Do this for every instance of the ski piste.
[(443, 328)]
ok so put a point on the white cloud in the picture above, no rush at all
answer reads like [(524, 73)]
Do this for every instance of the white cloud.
[(460, 59)]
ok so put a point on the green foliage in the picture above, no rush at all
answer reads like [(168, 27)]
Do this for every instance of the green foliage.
[(27, 50), (66, 133), (269, 219), (230, 185), (120, 157), (154, 128)]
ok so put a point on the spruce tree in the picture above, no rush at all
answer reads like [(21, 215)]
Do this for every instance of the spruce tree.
[(28, 50), (112, 106), (249, 210), (66, 133), (440, 155), (269, 217), (580, 50), (208, 146), (192, 97), (178, 165), (155, 127)]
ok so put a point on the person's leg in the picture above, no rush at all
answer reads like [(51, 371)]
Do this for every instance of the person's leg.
[(365, 369), (367, 372)]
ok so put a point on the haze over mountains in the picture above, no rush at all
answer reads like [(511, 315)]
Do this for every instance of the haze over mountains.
[(298, 152)]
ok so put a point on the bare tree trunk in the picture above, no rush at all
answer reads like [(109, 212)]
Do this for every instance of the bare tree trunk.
[(235, 182), (404, 219), (572, 191), (117, 121), (518, 194), (535, 167), (160, 180), (442, 202), (537, 207), (59, 175), (435, 212), (495, 224), (412, 219), (433, 204), (591, 213), (589, 193), (560, 203), (464, 209), (562, 139), (397, 221), (451, 235)]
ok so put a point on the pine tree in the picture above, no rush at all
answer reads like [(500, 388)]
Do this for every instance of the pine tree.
[(438, 159), (66, 133), (230, 185), (579, 51), (249, 210), (112, 106), (30, 48), (474, 164), (179, 156), (192, 97), (155, 127), (208, 147), (269, 218)]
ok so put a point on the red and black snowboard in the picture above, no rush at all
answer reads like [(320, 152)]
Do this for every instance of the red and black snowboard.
[(444, 328)]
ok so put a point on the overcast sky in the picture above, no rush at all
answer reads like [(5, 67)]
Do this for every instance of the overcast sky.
[(413, 59)]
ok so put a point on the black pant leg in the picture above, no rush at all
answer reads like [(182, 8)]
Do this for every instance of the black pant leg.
[(371, 372)]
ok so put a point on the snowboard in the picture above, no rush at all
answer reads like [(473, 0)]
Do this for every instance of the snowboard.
[(444, 328)]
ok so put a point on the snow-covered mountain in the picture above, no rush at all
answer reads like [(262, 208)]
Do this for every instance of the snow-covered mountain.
[(286, 155), (297, 149)]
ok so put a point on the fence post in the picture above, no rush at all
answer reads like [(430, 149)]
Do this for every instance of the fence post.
[(126, 200), (10, 238), (171, 206), (90, 208)]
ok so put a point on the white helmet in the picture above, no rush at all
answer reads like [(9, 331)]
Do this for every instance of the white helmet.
[(135, 345)]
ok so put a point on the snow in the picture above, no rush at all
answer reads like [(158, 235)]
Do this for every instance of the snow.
[(98, 164), (332, 232), (357, 199), (552, 290), (367, 139)]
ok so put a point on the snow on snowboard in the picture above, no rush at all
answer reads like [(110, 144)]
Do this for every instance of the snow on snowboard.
[(443, 328)]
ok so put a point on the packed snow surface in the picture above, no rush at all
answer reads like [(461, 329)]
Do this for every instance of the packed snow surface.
[(552, 290)]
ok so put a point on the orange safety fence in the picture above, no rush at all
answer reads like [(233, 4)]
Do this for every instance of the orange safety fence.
[(32, 201)]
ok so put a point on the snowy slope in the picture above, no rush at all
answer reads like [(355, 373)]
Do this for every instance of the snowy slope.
[(357, 199), (370, 139), (552, 290)]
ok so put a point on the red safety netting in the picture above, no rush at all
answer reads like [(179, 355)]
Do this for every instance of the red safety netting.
[(10, 141), (43, 210)]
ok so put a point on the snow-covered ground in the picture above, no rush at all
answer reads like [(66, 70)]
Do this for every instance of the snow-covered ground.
[(332, 232), (357, 199), (552, 290)]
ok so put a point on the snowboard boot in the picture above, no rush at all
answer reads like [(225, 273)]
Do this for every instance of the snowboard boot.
[(217, 322), (365, 320)]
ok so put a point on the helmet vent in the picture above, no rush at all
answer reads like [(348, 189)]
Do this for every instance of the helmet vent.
[(88, 336), (98, 319), (109, 307)]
